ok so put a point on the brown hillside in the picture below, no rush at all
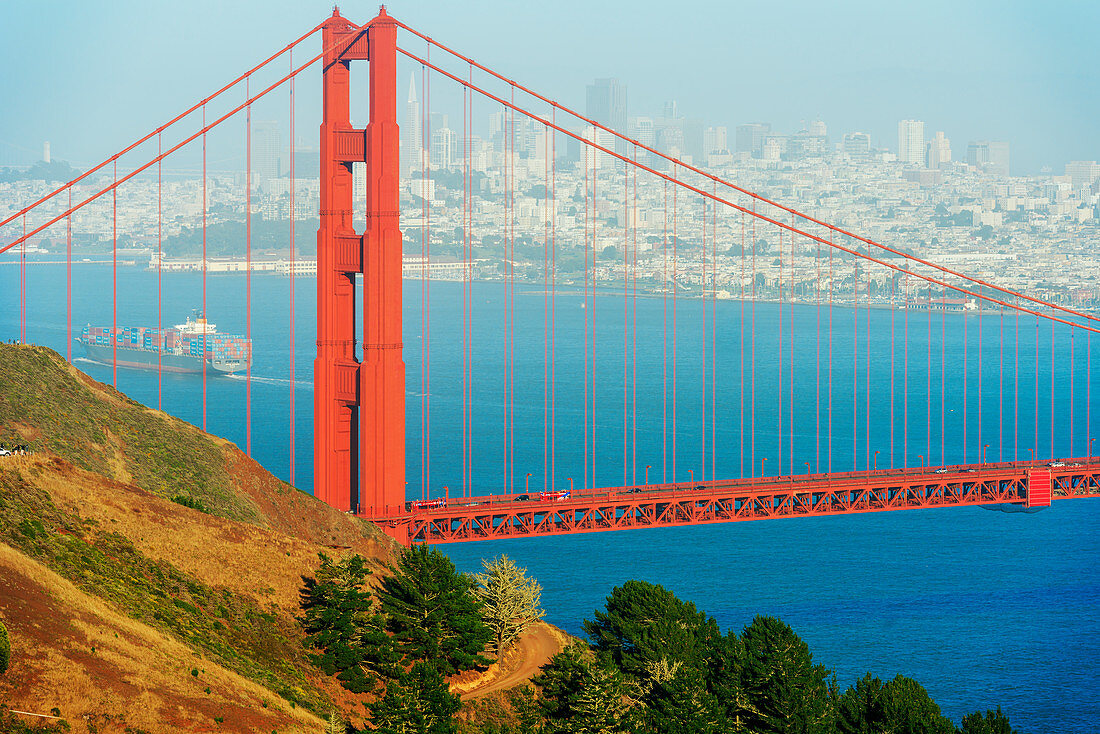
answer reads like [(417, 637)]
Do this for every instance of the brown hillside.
[(72, 651)]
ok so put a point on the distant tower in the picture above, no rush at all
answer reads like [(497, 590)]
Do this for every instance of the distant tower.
[(413, 145), (46, 151), (939, 151), (267, 143), (911, 141)]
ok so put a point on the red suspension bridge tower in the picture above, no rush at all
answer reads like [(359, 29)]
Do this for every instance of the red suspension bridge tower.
[(359, 407)]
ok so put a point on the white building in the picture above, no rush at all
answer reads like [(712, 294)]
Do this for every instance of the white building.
[(911, 141)]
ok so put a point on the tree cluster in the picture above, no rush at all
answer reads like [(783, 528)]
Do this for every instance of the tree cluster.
[(423, 621), (657, 664)]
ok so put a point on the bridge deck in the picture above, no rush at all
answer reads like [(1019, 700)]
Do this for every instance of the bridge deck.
[(663, 505)]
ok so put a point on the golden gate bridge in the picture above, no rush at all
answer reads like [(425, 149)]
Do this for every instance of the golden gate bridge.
[(359, 411)]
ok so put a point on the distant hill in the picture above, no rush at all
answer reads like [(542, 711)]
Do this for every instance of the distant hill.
[(54, 171), (128, 609)]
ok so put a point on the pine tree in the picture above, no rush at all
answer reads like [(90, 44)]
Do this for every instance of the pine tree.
[(339, 621), (900, 705), (994, 722), (644, 623), (5, 649), (583, 695), (432, 612), (509, 600), (416, 702), (679, 703), (785, 693)]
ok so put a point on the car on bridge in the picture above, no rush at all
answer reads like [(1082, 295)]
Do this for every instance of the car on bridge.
[(427, 504)]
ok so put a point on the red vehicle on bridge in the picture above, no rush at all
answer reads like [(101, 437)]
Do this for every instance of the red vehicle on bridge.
[(558, 496)]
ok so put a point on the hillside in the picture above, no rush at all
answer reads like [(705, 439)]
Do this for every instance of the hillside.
[(128, 609)]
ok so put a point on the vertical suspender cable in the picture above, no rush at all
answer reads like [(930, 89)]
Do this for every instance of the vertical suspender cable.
[(790, 381), (675, 335), (553, 300), (546, 309), (426, 336), (830, 392), (1071, 374), (626, 311), (247, 268), (69, 279), (943, 376), (1051, 389), (23, 286), (928, 383), (741, 381), (664, 340), (905, 379), (779, 413), (204, 315), (587, 316), (424, 126), (981, 374), (855, 363), (893, 350), (634, 334), (114, 278), (703, 382), (817, 358), (713, 337), (752, 355), (1001, 393), (293, 345), (595, 206), (867, 377), (162, 340)]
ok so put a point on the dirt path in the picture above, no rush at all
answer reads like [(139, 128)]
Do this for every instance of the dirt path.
[(522, 662)]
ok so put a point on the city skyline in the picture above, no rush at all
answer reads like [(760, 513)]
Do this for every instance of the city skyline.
[(985, 73)]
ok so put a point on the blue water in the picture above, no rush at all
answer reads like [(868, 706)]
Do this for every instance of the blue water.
[(983, 608)]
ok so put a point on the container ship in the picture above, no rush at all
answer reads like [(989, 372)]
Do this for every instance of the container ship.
[(183, 348)]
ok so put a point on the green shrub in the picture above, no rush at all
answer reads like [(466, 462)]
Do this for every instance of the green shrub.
[(5, 649)]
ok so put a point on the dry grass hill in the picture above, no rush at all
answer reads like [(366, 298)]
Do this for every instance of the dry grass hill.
[(149, 571)]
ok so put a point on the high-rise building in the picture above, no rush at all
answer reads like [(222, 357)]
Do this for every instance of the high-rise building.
[(1082, 173), (998, 157), (644, 132), (750, 138), (267, 145), (911, 141), (856, 146), (939, 151), (444, 147), (715, 139), (818, 129), (412, 131), (606, 103), (989, 156), (46, 152)]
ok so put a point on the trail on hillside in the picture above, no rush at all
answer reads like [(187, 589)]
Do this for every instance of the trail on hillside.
[(533, 650)]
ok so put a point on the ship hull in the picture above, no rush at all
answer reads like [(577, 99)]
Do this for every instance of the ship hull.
[(150, 360)]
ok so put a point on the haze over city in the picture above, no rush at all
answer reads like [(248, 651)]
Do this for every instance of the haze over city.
[(1015, 72)]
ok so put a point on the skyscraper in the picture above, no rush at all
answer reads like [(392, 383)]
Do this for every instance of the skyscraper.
[(606, 103), (750, 138), (911, 141), (267, 145), (989, 156), (413, 136), (939, 150)]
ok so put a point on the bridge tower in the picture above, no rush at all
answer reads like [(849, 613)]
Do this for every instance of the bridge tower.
[(359, 408)]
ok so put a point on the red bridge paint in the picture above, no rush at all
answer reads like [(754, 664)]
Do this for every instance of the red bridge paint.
[(666, 505), (359, 409)]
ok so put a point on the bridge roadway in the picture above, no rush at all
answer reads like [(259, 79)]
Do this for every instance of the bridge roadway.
[(1023, 485)]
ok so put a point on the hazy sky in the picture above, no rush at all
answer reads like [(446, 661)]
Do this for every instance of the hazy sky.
[(91, 76)]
